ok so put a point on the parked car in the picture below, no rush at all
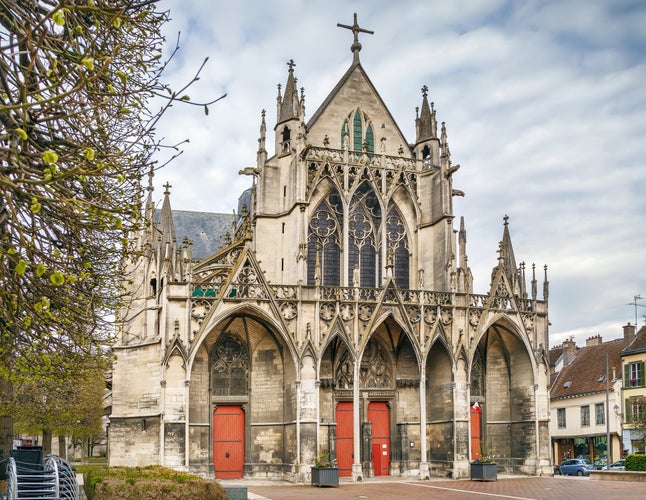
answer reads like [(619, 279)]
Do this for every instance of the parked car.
[(618, 465), (576, 467), (600, 463)]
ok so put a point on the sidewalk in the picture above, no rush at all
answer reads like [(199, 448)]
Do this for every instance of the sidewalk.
[(507, 487)]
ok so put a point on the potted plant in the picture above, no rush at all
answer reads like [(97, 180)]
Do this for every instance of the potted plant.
[(485, 468), (325, 472)]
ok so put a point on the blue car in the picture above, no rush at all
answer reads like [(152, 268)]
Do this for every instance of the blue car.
[(576, 467)]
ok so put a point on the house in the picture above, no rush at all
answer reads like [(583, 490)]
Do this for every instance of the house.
[(633, 359), (585, 398)]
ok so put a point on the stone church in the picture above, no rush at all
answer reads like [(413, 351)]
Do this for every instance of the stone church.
[(333, 315)]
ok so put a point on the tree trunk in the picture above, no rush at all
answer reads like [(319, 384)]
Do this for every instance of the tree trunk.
[(6, 430), (47, 442), (62, 447)]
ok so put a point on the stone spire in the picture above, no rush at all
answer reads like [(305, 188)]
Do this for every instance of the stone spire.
[(165, 225), (261, 156), (508, 251), (424, 123), (289, 106)]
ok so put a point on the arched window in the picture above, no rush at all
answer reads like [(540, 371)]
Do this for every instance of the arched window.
[(229, 367), (370, 140), (324, 241), (357, 132), (397, 241), (364, 221)]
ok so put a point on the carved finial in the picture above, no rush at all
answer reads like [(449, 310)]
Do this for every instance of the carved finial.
[(291, 65), (424, 91), (506, 219), (167, 187)]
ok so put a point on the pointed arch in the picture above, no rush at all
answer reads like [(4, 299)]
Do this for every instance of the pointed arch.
[(364, 222), (370, 139), (398, 246), (325, 241), (229, 366), (357, 132)]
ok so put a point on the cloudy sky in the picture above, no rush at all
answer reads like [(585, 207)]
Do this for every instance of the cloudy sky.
[(544, 103)]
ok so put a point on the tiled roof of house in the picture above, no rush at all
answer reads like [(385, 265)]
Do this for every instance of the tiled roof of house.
[(586, 373), (638, 344)]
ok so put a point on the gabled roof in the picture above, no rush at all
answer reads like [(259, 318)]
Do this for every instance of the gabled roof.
[(356, 66), (638, 344), (586, 373)]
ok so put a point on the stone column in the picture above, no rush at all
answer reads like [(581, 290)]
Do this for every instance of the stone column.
[(423, 464), (357, 472), (366, 442)]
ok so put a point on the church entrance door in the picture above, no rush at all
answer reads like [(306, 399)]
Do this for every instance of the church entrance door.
[(476, 432), (344, 438), (228, 442), (379, 415)]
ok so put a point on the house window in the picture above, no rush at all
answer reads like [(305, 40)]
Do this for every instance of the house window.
[(600, 414), (634, 373), (585, 416), (560, 417), (637, 410)]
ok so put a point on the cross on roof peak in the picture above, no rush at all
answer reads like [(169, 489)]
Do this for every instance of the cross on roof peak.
[(356, 46), (167, 187), (291, 65)]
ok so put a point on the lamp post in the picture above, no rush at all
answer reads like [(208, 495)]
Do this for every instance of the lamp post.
[(620, 416), (608, 445)]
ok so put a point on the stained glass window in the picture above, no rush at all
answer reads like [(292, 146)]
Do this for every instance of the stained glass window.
[(230, 366)]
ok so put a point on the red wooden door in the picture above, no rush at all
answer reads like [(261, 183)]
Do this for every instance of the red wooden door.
[(344, 438), (379, 415), (228, 442), (476, 432)]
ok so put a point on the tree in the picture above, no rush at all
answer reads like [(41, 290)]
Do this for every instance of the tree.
[(80, 83)]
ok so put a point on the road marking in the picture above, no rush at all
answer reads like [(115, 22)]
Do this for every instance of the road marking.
[(469, 491)]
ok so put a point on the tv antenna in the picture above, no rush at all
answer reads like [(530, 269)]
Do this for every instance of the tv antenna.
[(635, 303)]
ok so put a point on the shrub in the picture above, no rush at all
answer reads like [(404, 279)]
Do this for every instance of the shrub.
[(636, 462), (152, 482)]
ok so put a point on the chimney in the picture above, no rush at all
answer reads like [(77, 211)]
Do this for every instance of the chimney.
[(594, 340), (629, 334), (569, 351)]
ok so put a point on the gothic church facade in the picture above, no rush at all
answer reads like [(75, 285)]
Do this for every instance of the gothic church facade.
[(337, 316)]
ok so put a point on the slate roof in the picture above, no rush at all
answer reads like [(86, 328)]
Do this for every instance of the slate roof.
[(638, 344), (205, 230), (585, 372)]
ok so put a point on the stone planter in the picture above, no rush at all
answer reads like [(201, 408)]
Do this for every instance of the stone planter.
[(484, 472), (325, 476)]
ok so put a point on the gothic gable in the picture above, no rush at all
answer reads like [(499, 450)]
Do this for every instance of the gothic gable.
[(354, 94)]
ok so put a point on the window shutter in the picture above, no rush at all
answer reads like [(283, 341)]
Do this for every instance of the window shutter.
[(641, 374), (629, 411), (627, 375)]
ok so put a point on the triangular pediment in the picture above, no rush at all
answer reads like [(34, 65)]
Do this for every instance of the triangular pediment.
[(355, 92), (501, 295)]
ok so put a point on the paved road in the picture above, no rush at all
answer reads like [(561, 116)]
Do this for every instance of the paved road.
[(524, 488)]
